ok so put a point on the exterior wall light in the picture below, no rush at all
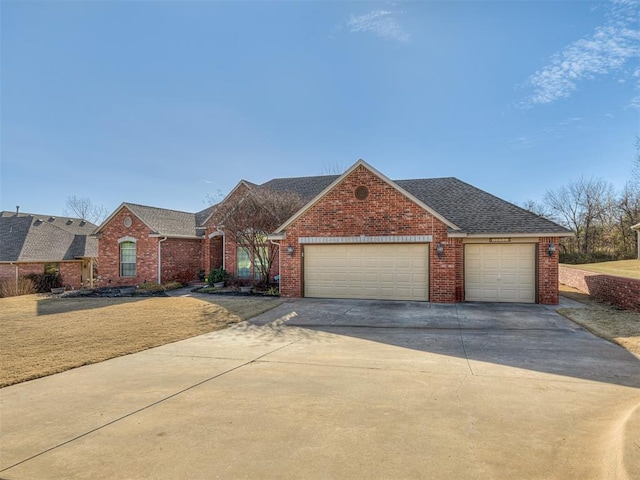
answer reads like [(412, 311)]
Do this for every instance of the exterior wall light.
[(290, 250), (440, 249), (552, 249)]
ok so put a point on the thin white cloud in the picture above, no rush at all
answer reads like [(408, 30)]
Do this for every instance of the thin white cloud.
[(607, 51), (382, 23)]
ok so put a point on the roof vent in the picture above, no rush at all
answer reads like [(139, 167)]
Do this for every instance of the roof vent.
[(52, 219), (17, 209)]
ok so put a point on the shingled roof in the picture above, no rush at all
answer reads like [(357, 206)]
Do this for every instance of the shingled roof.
[(162, 221), (27, 237), (473, 210)]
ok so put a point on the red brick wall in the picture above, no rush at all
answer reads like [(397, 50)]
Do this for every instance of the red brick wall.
[(182, 259), (385, 212), (547, 272), (620, 291), (109, 251), (71, 272)]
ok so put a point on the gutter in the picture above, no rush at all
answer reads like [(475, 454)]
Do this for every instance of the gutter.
[(160, 260)]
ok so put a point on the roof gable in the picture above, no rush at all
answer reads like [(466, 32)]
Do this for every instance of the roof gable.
[(160, 221), (339, 179)]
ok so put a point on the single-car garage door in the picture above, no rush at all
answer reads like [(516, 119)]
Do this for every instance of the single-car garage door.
[(376, 271), (500, 273)]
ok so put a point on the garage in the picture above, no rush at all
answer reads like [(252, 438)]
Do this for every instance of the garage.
[(500, 273), (371, 271)]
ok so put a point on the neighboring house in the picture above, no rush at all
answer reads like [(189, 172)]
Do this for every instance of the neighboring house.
[(31, 243), (637, 229), (359, 235)]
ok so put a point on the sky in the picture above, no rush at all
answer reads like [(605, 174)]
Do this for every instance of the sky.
[(171, 103)]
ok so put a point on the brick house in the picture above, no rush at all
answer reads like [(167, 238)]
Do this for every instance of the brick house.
[(359, 235), (139, 243), (34, 243)]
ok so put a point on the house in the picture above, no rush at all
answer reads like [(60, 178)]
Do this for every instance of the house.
[(31, 243), (358, 235), (139, 243)]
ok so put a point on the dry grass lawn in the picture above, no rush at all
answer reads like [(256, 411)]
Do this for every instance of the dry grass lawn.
[(46, 335), (618, 326), (620, 268)]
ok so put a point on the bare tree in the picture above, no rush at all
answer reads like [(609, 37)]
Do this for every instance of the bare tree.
[(538, 208), (335, 168), (252, 217), (580, 206), (83, 207)]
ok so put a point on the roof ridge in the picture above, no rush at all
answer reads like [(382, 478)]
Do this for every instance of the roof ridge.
[(159, 208)]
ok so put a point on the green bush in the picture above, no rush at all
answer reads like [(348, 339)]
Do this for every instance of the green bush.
[(217, 275), (11, 288)]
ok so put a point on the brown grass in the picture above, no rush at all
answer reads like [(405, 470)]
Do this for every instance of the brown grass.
[(618, 326), (45, 335), (620, 268)]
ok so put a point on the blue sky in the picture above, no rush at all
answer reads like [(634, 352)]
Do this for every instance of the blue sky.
[(165, 102)]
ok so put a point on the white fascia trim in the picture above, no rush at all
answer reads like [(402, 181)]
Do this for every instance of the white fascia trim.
[(275, 237), (636, 227), (367, 239), (511, 235), (217, 233), (338, 180)]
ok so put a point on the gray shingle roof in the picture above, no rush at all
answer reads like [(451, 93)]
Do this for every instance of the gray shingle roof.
[(166, 222), (473, 210), (44, 238), (476, 211), (306, 187)]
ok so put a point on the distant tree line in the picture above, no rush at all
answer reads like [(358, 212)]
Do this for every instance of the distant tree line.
[(599, 216)]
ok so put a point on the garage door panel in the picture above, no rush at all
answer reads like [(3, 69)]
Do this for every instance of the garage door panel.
[(500, 273), (396, 271)]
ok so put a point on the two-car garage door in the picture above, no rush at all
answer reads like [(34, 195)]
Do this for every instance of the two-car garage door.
[(376, 271), (500, 273)]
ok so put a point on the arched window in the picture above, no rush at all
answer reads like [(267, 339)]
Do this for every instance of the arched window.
[(127, 259)]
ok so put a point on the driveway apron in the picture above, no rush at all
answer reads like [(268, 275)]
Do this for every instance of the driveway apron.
[(341, 389)]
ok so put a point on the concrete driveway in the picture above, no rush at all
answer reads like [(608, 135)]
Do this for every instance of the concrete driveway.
[(341, 389)]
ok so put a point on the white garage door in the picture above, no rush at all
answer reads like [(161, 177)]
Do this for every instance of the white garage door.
[(500, 273), (391, 272)]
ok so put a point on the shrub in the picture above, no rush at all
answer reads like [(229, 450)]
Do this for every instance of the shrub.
[(172, 285), (151, 287), (11, 288), (217, 275), (44, 282)]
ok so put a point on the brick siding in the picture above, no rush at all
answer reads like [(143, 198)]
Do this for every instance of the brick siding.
[(71, 272), (547, 272), (620, 291), (181, 259), (385, 212)]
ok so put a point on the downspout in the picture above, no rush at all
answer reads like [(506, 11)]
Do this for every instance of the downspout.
[(160, 260)]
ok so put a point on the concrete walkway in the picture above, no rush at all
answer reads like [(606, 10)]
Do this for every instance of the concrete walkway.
[(341, 389)]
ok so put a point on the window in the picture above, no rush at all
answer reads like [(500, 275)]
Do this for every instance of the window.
[(244, 263), (128, 259), (52, 268), (247, 264)]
